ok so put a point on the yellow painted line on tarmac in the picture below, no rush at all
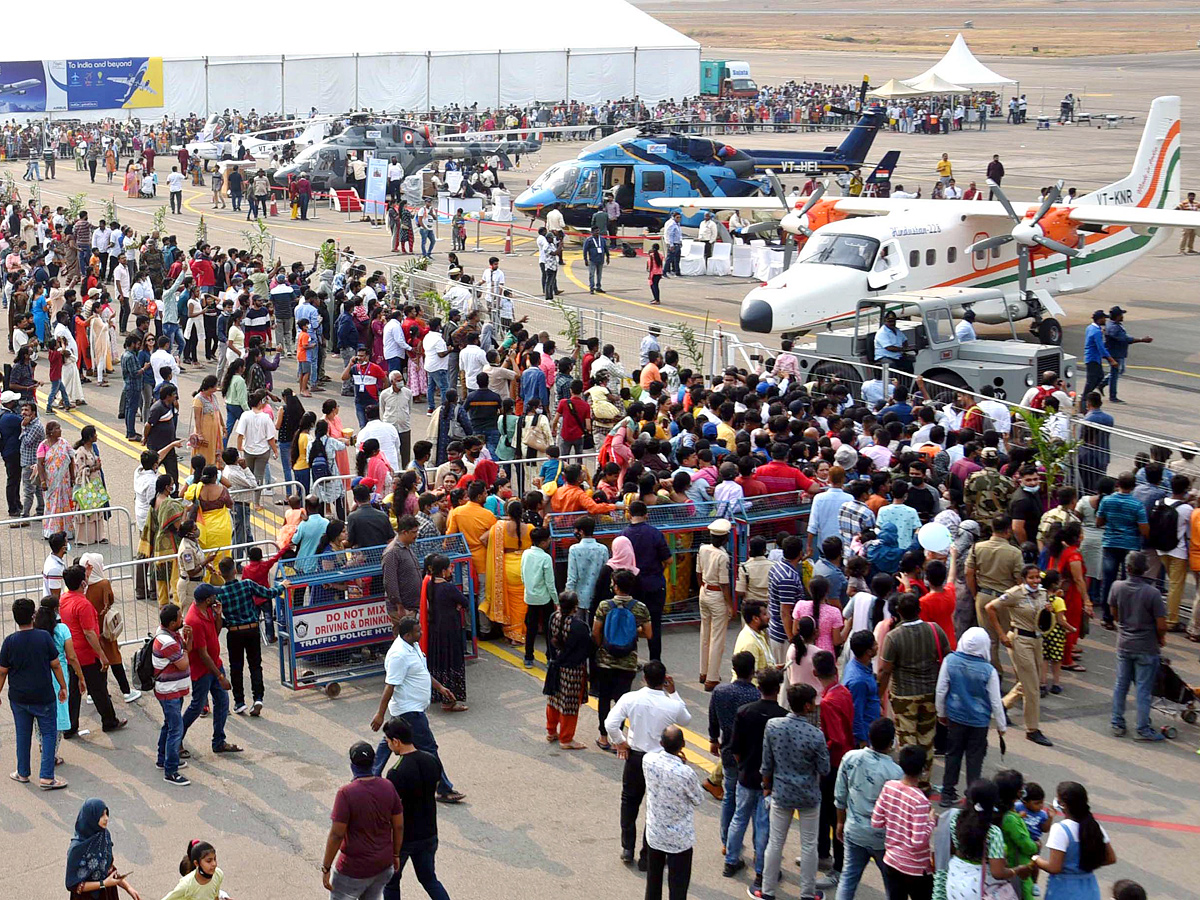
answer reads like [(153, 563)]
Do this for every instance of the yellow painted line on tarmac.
[(698, 742), (1161, 369), (609, 295)]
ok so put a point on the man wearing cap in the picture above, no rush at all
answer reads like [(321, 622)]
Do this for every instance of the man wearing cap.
[(649, 345), (716, 601), (367, 827), (1118, 340), (1095, 353), (208, 674), (10, 450), (890, 344)]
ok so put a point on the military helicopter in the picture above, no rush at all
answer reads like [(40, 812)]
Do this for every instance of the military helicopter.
[(637, 168), (414, 146)]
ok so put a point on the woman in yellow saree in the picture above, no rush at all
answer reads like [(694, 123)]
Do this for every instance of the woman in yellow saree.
[(503, 592), (214, 516)]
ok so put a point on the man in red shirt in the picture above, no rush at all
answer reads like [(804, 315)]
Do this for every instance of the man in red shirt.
[(80, 617), (937, 606), (573, 414), (779, 477), (208, 675), (368, 378), (837, 724), (202, 270)]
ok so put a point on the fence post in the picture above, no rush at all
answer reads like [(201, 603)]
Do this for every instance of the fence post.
[(478, 225)]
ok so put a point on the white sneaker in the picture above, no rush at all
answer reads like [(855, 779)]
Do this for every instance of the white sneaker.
[(132, 695), (240, 709), (256, 710), (88, 699)]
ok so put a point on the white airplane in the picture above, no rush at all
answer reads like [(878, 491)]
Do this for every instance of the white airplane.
[(19, 87), (861, 247), (135, 83)]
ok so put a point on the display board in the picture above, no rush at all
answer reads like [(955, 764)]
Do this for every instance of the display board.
[(57, 85)]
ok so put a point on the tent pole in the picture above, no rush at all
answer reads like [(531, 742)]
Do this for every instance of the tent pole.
[(428, 79)]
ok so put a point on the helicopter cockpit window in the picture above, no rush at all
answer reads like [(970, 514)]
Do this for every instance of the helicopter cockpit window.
[(559, 180), (589, 185), (851, 250), (325, 160)]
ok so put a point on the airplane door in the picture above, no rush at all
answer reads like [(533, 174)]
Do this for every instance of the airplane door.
[(652, 181), (889, 266)]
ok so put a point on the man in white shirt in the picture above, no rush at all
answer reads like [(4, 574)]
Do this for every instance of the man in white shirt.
[(256, 438), (997, 410), (406, 692), (707, 233), (458, 296), (951, 191), (672, 794), (493, 283), (649, 711), (175, 187), (101, 240), (389, 440), (395, 178), (161, 359), (436, 363), (471, 361), (395, 347), (395, 409), (965, 330), (901, 194)]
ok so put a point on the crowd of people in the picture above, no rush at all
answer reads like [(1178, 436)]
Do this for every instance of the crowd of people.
[(551, 463)]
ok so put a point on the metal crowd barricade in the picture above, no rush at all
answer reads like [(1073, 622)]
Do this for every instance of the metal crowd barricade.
[(23, 555), (767, 515), (333, 624), (685, 527)]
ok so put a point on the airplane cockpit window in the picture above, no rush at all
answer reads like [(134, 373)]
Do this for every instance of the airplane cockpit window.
[(851, 250)]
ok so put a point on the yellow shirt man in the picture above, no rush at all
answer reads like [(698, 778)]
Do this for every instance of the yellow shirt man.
[(944, 169)]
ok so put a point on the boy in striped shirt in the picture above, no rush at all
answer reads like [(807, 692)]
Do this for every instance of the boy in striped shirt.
[(172, 682), (903, 809)]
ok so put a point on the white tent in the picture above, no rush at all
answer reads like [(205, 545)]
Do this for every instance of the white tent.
[(412, 57), (932, 83), (894, 88), (959, 66)]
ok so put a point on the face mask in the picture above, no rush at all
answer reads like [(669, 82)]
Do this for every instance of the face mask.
[(917, 480), (1032, 489)]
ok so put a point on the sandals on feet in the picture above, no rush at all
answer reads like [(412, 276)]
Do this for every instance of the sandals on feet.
[(226, 748)]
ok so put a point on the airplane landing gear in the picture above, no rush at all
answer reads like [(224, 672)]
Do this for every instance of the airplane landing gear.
[(1048, 331)]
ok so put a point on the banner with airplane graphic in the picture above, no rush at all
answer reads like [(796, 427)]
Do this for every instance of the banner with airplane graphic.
[(59, 85)]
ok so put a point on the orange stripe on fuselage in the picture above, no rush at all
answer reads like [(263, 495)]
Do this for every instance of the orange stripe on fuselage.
[(1000, 267)]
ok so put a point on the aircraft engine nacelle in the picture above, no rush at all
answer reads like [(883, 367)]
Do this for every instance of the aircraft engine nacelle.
[(822, 213), (1057, 226)]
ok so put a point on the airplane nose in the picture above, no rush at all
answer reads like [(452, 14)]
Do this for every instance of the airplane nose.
[(756, 315)]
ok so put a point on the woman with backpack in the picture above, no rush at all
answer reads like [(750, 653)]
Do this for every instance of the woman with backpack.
[(322, 453), (620, 620)]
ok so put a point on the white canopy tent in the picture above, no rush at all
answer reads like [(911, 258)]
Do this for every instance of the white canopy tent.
[(935, 84), (530, 52), (960, 67), (894, 88)]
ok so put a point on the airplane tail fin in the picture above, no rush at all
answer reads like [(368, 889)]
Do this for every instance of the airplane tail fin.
[(1153, 182), (884, 168), (858, 143)]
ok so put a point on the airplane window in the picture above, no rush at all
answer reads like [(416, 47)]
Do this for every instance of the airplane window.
[(563, 184), (851, 250), (952, 254), (995, 253), (654, 181), (930, 256), (981, 254), (914, 258)]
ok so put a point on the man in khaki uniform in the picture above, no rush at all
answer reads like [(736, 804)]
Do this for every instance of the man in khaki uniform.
[(993, 566), (1187, 237), (1024, 604)]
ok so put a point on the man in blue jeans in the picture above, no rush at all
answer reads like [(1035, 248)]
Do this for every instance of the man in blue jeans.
[(28, 660), (1138, 608), (1117, 339), (208, 675), (416, 777), (172, 681), (860, 778), (437, 364), (1125, 522), (408, 686), (745, 745), (727, 699)]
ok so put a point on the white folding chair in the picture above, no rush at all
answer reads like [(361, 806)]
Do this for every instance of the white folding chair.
[(692, 261), (743, 261)]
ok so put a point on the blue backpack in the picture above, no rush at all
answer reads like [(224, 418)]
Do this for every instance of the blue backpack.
[(620, 629)]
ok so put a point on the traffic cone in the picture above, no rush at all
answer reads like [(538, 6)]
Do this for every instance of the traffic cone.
[(508, 241)]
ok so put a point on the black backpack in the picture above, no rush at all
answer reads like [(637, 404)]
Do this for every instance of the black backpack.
[(1164, 525), (143, 664)]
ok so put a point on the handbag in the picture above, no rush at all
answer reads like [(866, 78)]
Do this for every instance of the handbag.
[(92, 495), (113, 624), (553, 675), (536, 438), (588, 440)]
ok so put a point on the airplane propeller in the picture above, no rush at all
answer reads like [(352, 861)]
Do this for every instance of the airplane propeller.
[(1026, 232)]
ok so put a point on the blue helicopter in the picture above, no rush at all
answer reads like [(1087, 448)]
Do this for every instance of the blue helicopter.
[(636, 168)]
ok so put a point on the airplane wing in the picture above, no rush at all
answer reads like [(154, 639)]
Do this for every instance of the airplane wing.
[(1097, 214), (881, 206)]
